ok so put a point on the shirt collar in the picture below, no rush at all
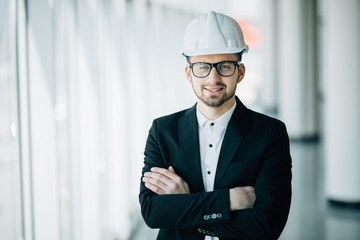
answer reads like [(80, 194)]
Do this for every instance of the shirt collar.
[(223, 120)]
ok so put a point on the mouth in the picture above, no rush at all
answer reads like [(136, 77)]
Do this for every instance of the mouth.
[(214, 90)]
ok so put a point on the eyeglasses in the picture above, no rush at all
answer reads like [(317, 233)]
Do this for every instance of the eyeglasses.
[(203, 69)]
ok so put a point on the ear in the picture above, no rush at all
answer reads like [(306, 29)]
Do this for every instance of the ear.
[(188, 73), (241, 72)]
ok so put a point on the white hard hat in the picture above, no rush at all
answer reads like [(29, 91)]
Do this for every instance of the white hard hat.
[(213, 33)]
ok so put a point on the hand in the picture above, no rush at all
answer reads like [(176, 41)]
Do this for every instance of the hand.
[(242, 198), (165, 181)]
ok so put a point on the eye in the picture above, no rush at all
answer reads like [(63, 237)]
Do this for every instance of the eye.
[(225, 66), (203, 66)]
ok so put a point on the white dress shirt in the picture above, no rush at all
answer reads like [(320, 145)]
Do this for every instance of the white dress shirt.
[(211, 135)]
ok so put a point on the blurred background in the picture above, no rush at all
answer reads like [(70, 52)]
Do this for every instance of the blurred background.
[(81, 81)]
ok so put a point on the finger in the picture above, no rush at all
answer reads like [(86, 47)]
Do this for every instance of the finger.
[(161, 177), (166, 184), (154, 188), (160, 183), (167, 173), (171, 169)]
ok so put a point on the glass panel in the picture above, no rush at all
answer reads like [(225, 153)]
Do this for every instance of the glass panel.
[(10, 200), (62, 25)]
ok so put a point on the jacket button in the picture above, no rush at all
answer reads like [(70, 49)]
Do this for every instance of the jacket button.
[(219, 215)]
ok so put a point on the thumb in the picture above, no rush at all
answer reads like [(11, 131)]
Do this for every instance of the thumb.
[(171, 169)]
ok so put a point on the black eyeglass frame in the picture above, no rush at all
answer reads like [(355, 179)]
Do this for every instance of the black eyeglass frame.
[(236, 63)]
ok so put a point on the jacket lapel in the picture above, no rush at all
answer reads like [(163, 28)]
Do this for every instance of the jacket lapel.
[(235, 131), (189, 140)]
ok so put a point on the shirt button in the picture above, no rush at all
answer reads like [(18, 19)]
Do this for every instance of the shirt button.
[(212, 124), (210, 145), (208, 172)]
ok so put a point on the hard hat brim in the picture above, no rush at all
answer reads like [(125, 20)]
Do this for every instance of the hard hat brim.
[(214, 51)]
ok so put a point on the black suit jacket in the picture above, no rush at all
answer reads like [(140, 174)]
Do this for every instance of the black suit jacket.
[(254, 152)]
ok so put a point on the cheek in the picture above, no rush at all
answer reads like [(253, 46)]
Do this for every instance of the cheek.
[(189, 78), (231, 84), (195, 85)]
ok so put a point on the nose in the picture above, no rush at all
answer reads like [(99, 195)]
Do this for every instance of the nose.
[(214, 75)]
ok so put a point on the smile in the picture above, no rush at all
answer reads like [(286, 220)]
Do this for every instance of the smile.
[(214, 90)]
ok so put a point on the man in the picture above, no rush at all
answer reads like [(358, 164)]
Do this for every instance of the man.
[(217, 170)]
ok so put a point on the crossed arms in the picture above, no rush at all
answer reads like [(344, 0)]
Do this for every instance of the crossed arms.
[(166, 181), (168, 202)]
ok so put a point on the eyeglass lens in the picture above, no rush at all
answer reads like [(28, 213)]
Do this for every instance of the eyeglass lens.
[(203, 69)]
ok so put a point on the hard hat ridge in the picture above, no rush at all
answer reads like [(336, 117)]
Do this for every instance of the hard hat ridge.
[(213, 33)]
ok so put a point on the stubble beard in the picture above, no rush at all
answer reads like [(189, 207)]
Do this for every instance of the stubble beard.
[(214, 101)]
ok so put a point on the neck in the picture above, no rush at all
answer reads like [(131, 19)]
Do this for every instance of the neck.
[(212, 113)]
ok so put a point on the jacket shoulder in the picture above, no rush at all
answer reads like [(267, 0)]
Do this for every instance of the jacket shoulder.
[(172, 120), (171, 117), (263, 118), (256, 118), (267, 125)]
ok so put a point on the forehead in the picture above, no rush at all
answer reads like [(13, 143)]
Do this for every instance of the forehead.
[(214, 58)]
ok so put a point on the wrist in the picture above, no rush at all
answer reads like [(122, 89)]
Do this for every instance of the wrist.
[(232, 200)]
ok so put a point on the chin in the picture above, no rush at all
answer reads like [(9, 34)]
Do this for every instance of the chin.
[(214, 103)]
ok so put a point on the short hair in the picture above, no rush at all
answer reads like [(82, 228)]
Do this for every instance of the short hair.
[(240, 55)]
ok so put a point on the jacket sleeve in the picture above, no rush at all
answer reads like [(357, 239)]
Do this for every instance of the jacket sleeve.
[(178, 211)]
